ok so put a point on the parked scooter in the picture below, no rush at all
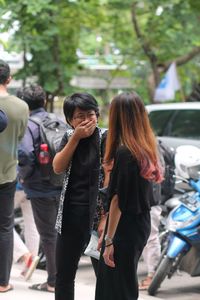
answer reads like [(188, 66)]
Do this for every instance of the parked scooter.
[(167, 207), (182, 250)]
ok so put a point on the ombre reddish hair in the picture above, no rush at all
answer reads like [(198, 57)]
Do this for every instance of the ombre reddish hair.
[(129, 126)]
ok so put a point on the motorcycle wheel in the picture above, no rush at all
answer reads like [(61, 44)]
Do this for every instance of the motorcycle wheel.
[(161, 272), (163, 238), (164, 247)]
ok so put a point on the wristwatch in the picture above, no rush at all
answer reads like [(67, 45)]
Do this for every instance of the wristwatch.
[(108, 239)]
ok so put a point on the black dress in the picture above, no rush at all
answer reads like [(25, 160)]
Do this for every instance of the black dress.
[(134, 192)]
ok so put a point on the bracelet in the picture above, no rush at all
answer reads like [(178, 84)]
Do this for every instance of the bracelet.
[(107, 238), (109, 245)]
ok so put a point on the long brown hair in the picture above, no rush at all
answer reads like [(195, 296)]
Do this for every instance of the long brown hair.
[(129, 126)]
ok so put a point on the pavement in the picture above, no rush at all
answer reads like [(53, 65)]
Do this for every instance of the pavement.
[(84, 290)]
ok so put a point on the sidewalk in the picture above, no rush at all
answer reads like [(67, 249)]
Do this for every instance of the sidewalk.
[(85, 285)]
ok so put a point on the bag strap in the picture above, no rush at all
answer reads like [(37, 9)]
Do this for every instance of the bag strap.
[(35, 119)]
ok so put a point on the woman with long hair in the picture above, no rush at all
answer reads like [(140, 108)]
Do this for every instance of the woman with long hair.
[(132, 146)]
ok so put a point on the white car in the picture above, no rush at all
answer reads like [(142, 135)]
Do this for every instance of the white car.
[(176, 123)]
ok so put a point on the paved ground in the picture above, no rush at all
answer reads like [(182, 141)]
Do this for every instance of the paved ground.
[(180, 287), (85, 285)]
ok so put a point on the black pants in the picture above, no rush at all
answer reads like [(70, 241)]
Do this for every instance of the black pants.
[(45, 212), (7, 192), (121, 283), (70, 246)]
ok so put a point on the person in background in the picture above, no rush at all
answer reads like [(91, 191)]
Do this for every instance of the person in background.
[(3, 121), (132, 146), (43, 195), (26, 252), (152, 251), (24, 256), (79, 156), (17, 114)]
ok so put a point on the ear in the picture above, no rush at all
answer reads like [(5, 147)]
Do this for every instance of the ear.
[(9, 79), (70, 123)]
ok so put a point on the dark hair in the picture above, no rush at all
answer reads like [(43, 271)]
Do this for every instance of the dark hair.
[(83, 101), (33, 95), (19, 93), (4, 72), (129, 125)]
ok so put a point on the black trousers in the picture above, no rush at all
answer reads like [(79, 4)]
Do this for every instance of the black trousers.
[(70, 246), (45, 212), (7, 192)]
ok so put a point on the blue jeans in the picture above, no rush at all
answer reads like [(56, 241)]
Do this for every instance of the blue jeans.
[(7, 192)]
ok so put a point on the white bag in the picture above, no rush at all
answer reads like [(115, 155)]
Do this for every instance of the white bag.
[(91, 249)]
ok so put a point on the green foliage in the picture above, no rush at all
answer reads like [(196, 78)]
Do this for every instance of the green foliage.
[(195, 5), (171, 29), (44, 29), (52, 31)]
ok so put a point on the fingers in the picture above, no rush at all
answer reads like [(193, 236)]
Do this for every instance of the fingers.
[(108, 256), (88, 124), (83, 123), (90, 127), (100, 242), (99, 245), (109, 261), (85, 129)]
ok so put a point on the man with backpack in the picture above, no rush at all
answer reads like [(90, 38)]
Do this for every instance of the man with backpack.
[(35, 174)]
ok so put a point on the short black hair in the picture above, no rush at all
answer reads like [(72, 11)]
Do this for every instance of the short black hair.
[(4, 71), (19, 93), (83, 101), (33, 95)]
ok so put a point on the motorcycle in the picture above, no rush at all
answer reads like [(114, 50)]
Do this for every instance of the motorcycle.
[(167, 207), (182, 248)]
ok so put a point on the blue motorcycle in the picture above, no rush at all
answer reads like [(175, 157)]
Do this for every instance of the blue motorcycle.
[(182, 250)]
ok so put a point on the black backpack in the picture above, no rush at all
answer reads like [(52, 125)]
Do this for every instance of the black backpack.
[(52, 130), (167, 186)]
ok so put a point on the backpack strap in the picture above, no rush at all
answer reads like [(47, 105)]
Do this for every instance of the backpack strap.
[(40, 122), (35, 119)]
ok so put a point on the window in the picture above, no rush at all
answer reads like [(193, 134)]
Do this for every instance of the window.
[(159, 120), (176, 123), (185, 124)]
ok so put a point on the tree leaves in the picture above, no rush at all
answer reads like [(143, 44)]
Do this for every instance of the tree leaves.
[(53, 31)]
